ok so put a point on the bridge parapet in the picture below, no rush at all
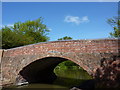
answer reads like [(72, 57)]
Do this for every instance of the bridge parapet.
[(78, 46)]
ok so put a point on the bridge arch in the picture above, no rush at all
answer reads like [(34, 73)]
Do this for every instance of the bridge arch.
[(41, 70), (86, 53)]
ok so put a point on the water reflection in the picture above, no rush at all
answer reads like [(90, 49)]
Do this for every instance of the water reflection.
[(70, 78)]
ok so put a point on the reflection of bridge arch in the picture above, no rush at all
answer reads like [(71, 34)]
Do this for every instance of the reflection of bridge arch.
[(86, 53)]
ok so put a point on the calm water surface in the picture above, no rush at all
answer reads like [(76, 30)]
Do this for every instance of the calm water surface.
[(65, 79)]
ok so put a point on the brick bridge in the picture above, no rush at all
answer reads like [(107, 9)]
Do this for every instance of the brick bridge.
[(36, 62)]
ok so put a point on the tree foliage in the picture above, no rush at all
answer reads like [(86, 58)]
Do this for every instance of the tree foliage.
[(25, 33), (115, 23), (65, 38)]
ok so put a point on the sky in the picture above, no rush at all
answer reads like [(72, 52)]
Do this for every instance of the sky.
[(79, 20), (59, 0)]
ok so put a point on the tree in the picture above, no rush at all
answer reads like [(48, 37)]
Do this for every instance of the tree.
[(65, 38), (25, 33), (115, 23)]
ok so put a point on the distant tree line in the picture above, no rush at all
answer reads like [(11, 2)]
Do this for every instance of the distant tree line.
[(65, 38)]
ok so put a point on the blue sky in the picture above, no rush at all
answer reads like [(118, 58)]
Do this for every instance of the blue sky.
[(79, 20)]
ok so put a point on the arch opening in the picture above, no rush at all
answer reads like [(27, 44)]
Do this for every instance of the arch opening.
[(40, 71)]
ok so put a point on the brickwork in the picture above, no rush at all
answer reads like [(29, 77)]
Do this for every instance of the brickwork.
[(1, 51), (86, 53), (78, 46)]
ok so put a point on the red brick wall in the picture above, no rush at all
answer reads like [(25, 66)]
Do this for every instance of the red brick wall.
[(78, 46)]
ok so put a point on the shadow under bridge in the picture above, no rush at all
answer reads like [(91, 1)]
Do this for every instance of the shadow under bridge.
[(40, 71)]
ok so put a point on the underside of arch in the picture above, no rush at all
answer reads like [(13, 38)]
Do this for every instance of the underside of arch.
[(40, 71)]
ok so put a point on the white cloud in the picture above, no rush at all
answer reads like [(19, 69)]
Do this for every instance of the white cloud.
[(75, 19), (85, 19), (10, 25), (50, 29), (0, 26)]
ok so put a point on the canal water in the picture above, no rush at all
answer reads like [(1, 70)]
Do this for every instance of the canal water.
[(66, 78)]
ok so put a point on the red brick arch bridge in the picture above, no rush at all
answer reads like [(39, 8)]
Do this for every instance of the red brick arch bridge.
[(36, 62)]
